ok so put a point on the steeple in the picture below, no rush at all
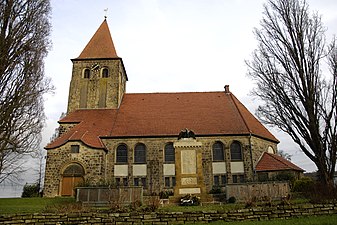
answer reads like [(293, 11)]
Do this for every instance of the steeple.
[(99, 77), (100, 45)]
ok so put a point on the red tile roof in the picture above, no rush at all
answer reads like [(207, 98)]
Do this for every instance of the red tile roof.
[(164, 114), (273, 162), (100, 45), (90, 125)]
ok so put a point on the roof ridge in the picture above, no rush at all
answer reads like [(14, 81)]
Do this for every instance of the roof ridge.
[(277, 157), (260, 158), (237, 108), (182, 92)]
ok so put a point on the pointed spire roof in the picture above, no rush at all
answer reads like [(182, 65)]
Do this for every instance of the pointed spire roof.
[(100, 45)]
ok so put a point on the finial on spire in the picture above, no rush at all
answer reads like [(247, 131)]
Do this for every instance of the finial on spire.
[(106, 12)]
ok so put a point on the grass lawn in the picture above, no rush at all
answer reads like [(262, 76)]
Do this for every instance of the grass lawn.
[(29, 205), (319, 220)]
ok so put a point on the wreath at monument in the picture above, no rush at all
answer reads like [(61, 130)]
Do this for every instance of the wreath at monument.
[(189, 200)]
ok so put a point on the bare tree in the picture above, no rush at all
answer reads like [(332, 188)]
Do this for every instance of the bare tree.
[(285, 155), (287, 67), (39, 171), (24, 43)]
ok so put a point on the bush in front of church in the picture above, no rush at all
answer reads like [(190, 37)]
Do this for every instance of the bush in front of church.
[(30, 191)]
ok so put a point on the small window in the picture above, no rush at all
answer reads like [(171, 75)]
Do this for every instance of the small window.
[(136, 181), (105, 73), (236, 152), (218, 151), (216, 181), (125, 181), (169, 153), (75, 149), (143, 179), (173, 181), (235, 179), (122, 154), (86, 73), (238, 179), (118, 181), (170, 182), (223, 180), (167, 182), (121, 181), (140, 153)]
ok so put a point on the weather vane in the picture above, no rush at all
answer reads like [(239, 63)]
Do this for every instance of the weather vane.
[(106, 12)]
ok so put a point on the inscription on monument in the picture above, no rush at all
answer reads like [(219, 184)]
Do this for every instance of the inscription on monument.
[(188, 162), (188, 180), (183, 191)]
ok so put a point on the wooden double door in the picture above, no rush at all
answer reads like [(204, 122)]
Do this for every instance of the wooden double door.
[(69, 184), (71, 177)]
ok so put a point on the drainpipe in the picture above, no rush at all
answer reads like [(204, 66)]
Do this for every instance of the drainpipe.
[(106, 166), (251, 154)]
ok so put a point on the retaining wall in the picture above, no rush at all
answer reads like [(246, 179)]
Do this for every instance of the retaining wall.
[(166, 218)]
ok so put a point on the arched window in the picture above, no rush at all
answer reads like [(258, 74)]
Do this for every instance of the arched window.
[(105, 73), (140, 153), (270, 150), (169, 153), (236, 151), (73, 170), (218, 151), (86, 73), (122, 154)]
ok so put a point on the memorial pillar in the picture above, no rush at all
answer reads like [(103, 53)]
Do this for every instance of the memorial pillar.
[(189, 174)]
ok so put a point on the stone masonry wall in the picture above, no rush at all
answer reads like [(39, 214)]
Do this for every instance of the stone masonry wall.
[(90, 90), (155, 156), (92, 160), (99, 165), (166, 218)]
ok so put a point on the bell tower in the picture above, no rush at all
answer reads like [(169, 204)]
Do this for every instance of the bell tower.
[(98, 76)]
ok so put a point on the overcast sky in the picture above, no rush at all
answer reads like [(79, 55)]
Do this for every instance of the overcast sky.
[(167, 46)]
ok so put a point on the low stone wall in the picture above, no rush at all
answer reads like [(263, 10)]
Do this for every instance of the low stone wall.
[(105, 196), (271, 190), (163, 218)]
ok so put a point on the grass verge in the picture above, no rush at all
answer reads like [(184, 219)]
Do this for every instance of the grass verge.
[(30, 205)]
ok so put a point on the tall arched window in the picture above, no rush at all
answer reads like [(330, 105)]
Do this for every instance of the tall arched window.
[(105, 73), (218, 151), (169, 153), (86, 73), (140, 153), (236, 151), (122, 154)]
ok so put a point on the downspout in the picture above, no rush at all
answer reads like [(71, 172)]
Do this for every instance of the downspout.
[(106, 167), (251, 154)]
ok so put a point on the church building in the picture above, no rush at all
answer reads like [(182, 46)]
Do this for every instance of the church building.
[(185, 142)]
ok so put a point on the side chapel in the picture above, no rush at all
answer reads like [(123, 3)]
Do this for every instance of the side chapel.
[(186, 142)]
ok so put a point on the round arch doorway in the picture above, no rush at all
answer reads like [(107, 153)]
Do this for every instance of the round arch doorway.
[(72, 175)]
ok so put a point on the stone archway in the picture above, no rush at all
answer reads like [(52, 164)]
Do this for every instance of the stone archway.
[(72, 175)]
